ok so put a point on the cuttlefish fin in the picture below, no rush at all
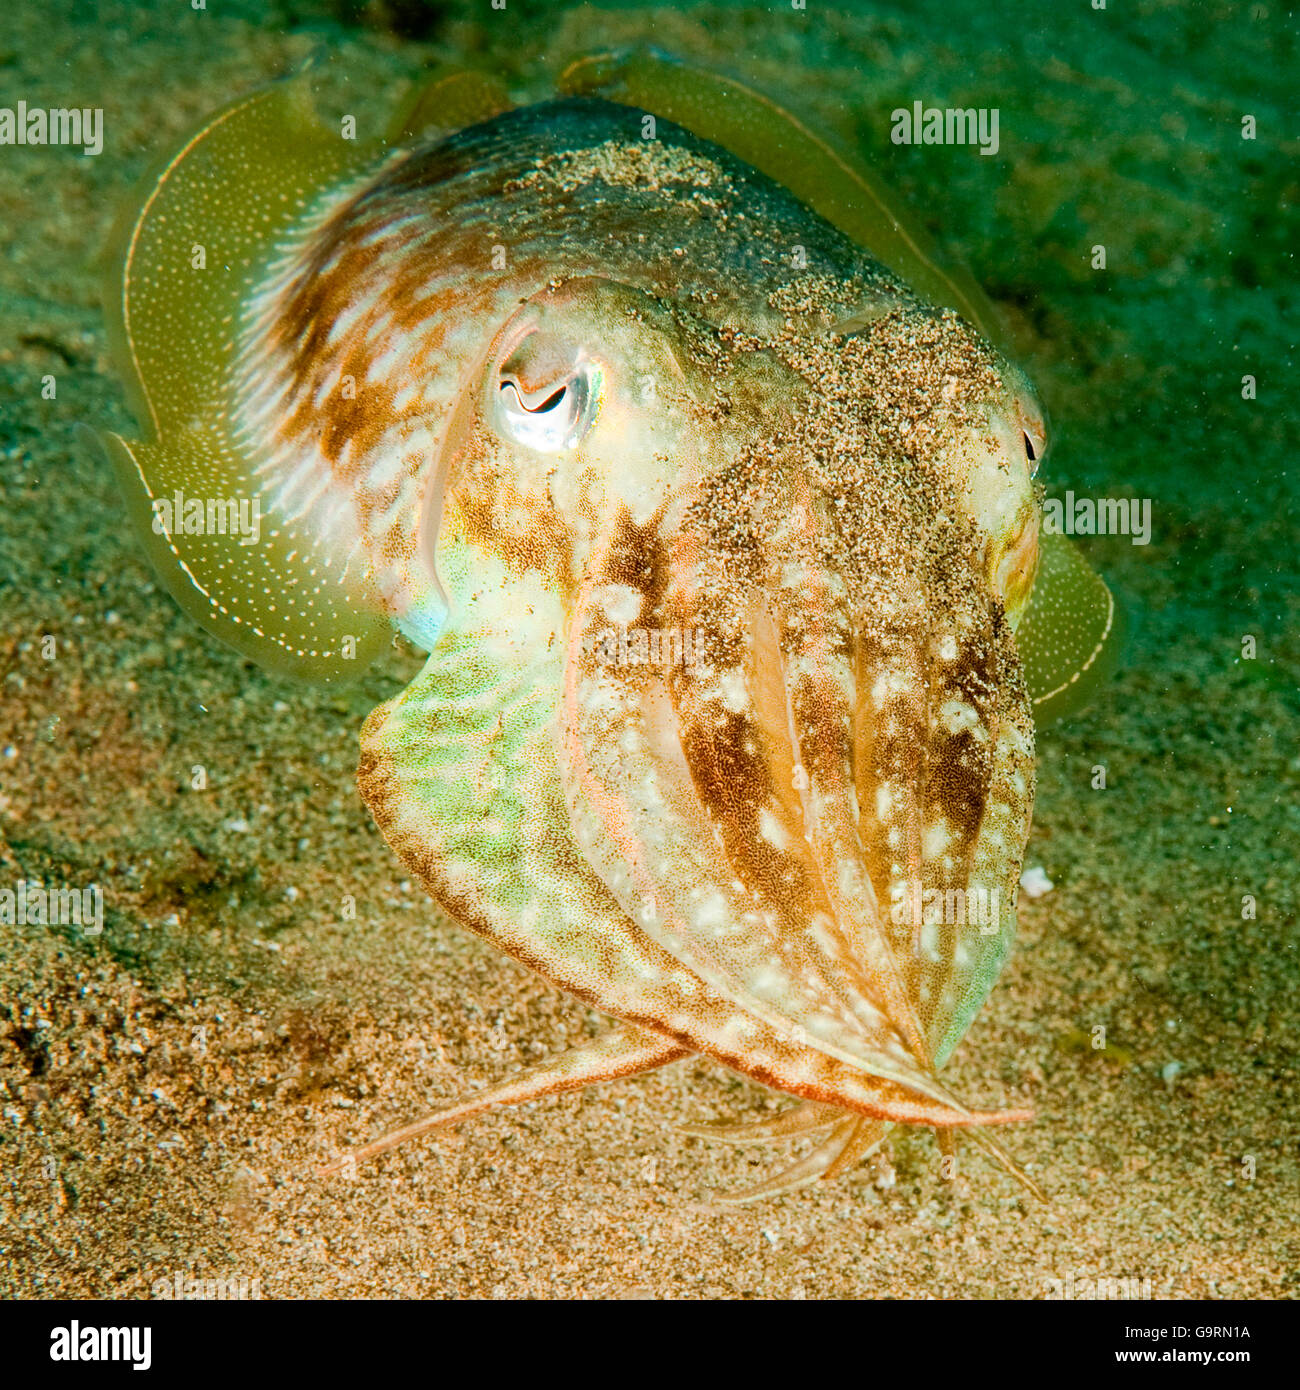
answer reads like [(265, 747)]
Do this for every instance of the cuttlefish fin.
[(182, 263), (620, 1052), (1071, 635), (819, 170), (283, 599), (447, 100)]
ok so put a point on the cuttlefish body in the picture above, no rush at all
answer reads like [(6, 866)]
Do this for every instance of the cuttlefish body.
[(718, 536)]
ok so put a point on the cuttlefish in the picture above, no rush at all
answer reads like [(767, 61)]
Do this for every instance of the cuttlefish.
[(710, 494)]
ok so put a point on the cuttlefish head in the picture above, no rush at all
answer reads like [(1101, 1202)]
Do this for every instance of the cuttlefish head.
[(787, 559), (619, 399), (992, 464)]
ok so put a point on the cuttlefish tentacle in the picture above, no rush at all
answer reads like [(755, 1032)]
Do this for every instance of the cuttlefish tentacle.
[(805, 1118), (989, 1146), (640, 818), (619, 1053), (822, 697), (960, 972), (866, 1138), (889, 748), (850, 1141)]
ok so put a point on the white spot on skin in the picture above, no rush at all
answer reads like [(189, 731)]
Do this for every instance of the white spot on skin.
[(712, 912), (821, 929), (767, 982), (772, 830), (936, 839), (733, 690), (735, 1032), (891, 683), (930, 939), (948, 648), (957, 717), (622, 604)]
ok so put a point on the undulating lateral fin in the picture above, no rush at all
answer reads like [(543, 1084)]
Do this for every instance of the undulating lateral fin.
[(447, 100), (281, 601), (236, 185), (1071, 634), (817, 169), (186, 260), (618, 1053)]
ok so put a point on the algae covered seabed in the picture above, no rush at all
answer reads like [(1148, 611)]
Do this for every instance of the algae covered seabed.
[(168, 1087)]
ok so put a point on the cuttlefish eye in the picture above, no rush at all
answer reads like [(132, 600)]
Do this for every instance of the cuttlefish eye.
[(1033, 430), (547, 395)]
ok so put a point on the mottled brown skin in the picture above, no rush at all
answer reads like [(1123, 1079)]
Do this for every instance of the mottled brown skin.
[(824, 478)]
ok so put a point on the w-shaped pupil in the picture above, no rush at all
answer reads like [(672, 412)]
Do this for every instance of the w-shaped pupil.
[(549, 403)]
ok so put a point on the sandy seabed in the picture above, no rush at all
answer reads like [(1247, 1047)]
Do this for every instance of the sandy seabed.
[(168, 1087)]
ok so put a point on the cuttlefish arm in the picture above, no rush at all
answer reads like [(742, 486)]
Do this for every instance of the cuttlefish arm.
[(470, 774), (1071, 637)]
